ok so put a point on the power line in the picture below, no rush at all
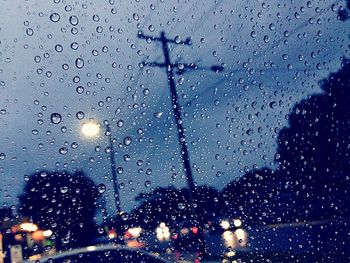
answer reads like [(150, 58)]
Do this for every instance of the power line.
[(295, 30), (299, 27)]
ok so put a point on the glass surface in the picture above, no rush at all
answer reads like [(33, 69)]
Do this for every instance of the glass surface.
[(197, 131), (120, 256)]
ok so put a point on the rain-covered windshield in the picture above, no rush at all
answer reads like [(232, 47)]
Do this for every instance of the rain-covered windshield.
[(195, 131)]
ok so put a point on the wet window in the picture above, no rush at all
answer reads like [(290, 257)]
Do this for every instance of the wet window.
[(175, 131)]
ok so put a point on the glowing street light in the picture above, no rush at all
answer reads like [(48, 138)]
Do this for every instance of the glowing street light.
[(91, 129)]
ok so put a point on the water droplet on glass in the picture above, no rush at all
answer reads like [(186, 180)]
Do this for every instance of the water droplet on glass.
[(125, 216), (120, 123), (59, 48), (101, 188), (80, 115), (273, 104), (147, 183), (76, 79), (56, 118), (96, 18), (73, 20), (64, 189), (63, 150), (181, 206), (80, 89), (266, 39), (37, 59), (146, 92), (74, 45), (158, 114), (66, 238), (99, 29), (135, 16), (120, 170), (74, 145), (29, 31), (79, 63), (47, 248), (55, 17), (177, 39), (68, 8), (127, 141)]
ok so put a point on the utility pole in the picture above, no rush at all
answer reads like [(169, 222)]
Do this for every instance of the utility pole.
[(91, 129), (113, 168), (169, 69)]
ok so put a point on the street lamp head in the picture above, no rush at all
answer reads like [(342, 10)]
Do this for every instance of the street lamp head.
[(90, 129)]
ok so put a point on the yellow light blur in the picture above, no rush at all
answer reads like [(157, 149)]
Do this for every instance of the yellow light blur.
[(163, 232), (34, 257), (237, 223), (91, 248), (135, 231), (242, 236), (231, 254), (112, 235), (47, 233), (225, 224), (29, 227), (90, 129), (229, 239)]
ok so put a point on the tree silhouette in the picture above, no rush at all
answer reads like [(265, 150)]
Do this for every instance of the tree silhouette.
[(250, 197), (312, 180), (64, 203), (5, 214), (314, 151), (344, 12)]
